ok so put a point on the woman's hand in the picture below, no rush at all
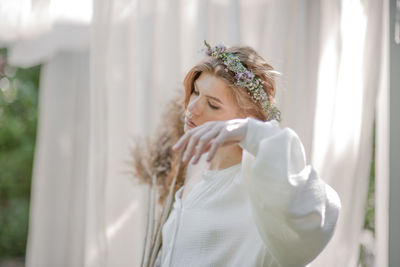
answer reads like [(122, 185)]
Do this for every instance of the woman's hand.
[(209, 137)]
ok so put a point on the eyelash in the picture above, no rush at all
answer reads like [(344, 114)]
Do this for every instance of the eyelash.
[(211, 106)]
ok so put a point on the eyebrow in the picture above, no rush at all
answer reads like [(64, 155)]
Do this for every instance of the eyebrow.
[(212, 97)]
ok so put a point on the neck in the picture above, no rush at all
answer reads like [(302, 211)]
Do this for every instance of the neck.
[(226, 157)]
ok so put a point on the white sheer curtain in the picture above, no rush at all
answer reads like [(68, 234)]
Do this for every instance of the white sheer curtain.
[(107, 83), (59, 185), (350, 72)]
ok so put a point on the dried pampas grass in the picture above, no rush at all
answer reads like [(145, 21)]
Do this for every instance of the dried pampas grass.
[(156, 164), (154, 156)]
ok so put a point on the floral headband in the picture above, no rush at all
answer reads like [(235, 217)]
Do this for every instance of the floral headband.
[(245, 78)]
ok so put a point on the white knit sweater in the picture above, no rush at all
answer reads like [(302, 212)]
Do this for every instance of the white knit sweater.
[(269, 210)]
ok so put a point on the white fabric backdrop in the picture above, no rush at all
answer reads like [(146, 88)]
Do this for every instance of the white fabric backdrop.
[(349, 78), (110, 85), (60, 184)]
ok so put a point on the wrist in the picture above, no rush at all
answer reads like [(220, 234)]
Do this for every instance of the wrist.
[(245, 131)]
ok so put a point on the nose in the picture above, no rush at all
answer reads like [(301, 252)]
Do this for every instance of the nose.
[(195, 106)]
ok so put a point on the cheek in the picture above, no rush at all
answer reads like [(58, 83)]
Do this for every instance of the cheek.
[(232, 113)]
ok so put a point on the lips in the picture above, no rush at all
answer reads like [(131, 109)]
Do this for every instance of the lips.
[(189, 122)]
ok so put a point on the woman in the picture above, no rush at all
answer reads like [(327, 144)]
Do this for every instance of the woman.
[(254, 202)]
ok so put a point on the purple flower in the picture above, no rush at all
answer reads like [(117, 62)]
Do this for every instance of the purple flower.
[(238, 76), (220, 48), (249, 74)]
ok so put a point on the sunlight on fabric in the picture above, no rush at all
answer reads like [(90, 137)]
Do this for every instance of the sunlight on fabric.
[(190, 14), (347, 123), (15, 15), (71, 10), (123, 10), (113, 228), (98, 248), (326, 93), (340, 93), (14, 10), (22, 19)]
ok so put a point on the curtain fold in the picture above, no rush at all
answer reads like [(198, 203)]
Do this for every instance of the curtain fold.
[(349, 76), (59, 182)]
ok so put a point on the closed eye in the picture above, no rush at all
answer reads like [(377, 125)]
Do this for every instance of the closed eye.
[(208, 102), (211, 106)]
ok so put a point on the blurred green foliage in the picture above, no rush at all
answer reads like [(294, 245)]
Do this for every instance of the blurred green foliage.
[(369, 222), (18, 120), (367, 252)]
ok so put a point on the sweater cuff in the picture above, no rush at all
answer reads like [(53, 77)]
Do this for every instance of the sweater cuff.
[(256, 131)]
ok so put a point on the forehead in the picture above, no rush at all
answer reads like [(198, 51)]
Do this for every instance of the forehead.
[(213, 86)]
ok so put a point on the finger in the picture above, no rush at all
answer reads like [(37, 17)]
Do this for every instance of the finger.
[(216, 144), (203, 137), (192, 142), (184, 139), (203, 144), (189, 149), (204, 150)]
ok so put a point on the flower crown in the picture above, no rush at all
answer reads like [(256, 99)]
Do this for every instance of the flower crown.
[(245, 78)]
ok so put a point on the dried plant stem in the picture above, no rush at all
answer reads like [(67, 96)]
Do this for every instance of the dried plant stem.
[(144, 253), (151, 211), (165, 213)]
